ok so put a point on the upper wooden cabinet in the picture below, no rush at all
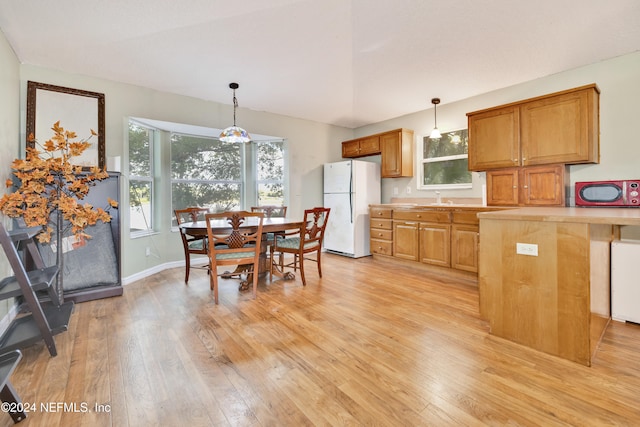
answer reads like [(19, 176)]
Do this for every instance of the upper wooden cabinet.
[(397, 153), (562, 127), (395, 148), (527, 186), (361, 147)]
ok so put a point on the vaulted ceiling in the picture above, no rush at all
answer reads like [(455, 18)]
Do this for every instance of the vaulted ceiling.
[(343, 62)]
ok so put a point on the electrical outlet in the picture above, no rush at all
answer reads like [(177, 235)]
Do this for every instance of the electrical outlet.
[(147, 251), (395, 191), (527, 249), (408, 189)]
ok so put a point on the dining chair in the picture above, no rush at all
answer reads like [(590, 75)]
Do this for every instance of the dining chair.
[(234, 242), (272, 211), (192, 244), (308, 240)]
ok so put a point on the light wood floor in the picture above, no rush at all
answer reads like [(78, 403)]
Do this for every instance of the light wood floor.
[(369, 344)]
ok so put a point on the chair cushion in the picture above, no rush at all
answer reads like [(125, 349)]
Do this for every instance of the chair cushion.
[(294, 243), (196, 244), (233, 255)]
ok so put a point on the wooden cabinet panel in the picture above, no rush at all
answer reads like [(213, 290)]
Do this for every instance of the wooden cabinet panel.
[(397, 154), (434, 244), (502, 187), (527, 186), (361, 147), (494, 140), (405, 240), (381, 231), (464, 247), (562, 127), (423, 215), (543, 185), (380, 212)]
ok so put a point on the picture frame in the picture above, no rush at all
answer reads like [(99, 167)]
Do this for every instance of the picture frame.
[(77, 110)]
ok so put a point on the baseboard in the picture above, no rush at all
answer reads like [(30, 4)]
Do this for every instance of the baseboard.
[(159, 268)]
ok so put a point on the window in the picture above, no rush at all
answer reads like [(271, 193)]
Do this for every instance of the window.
[(141, 201), (444, 162), (269, 166), (206, 172)]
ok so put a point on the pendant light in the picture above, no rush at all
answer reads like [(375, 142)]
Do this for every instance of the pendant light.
[(435, 133), (234, 133)]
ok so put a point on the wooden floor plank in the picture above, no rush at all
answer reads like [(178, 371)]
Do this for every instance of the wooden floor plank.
[(371, 343)]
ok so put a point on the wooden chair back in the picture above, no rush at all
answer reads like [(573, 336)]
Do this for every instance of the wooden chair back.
[(191, 244), (271, 211), (234, 238)]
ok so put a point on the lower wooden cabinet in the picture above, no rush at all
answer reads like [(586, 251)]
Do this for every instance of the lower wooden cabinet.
[(381, 231), (434, 244), (527, 186), (446, 237), (465, 241)]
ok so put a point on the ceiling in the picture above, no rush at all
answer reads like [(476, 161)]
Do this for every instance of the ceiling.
[(343, 62)]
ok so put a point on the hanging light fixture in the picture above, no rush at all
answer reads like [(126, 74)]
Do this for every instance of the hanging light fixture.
[(234, 133), (435, 133)]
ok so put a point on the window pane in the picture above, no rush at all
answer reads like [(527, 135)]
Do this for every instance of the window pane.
[(218, 197), (270, 160), (139, 150), (197, 158), (451, 143), (270, 194), (140, 217), (446, 172)]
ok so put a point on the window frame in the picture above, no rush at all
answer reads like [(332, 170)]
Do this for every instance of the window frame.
[(150, 220), (255, 169), (421, 161)]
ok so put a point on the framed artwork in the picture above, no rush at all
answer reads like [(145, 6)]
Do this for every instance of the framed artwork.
[(77, 110)]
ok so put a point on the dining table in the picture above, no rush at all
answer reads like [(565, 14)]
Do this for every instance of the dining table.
[(269, 225)]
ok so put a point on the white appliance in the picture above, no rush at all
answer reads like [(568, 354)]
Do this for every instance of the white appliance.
[(625, 286), (350, 187)]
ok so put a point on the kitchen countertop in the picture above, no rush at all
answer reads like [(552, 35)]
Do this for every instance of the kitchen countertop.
[(616, 216)]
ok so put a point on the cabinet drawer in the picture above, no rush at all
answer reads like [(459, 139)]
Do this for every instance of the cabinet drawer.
[(381, 247), (380, 234), (381, 223), (422, 216), (380, 213), (468, 217)]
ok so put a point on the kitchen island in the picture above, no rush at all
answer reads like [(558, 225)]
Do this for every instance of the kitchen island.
[(544, 276)]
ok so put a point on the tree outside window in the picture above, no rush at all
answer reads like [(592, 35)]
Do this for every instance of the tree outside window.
[(270, 173), (141, 141), (444, 163), (206, 172)]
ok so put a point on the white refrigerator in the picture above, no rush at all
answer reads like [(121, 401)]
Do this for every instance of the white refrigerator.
[(350, 187)]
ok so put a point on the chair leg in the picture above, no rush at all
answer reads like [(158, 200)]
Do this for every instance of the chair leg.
[(187, 266), (301, 260), (255, 281), (213, 284), (319, 263)]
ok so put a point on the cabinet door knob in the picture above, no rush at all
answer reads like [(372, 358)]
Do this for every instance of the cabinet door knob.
[(526, 186), (515, 186)]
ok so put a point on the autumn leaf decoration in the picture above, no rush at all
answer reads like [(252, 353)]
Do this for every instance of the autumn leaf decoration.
[(49, 182)]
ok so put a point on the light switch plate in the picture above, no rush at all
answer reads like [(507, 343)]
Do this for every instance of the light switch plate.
[(527, 249)]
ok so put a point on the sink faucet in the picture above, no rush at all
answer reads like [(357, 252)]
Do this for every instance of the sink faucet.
[(438, 199)]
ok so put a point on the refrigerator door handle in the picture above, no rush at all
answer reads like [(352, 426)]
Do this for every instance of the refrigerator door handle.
[(351, 194)]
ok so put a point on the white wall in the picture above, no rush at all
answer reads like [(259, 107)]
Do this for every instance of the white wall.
[(310, 145), (619, 83), (9, 134)]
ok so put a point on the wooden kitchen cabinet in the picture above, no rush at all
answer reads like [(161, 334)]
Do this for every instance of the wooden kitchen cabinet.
[(422, 235), (405, 240), (367, 146), (562, 127), (434, 243), (465, 240), (381, 231), (396, 154), (395, 148), (527, 186)]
